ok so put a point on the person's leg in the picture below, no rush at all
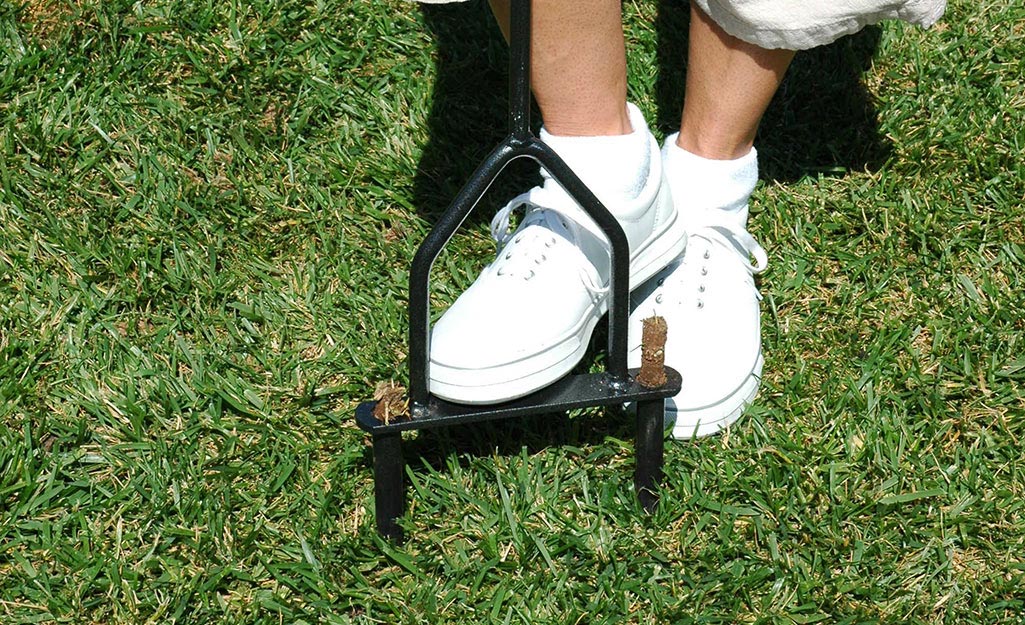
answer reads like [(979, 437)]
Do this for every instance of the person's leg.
[(578, 65), (708, 297), (578, 77), (527, 319), (729, 85)]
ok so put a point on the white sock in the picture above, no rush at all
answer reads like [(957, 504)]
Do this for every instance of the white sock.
[(616, 167), (706, 184)]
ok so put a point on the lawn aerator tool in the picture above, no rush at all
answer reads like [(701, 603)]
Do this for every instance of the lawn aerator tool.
[(615, 386)]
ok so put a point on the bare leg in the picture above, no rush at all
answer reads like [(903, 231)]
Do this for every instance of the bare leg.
[(578, 65), (709, 296), (729, 85)]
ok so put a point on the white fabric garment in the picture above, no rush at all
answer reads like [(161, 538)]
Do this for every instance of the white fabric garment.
[(803, 24)]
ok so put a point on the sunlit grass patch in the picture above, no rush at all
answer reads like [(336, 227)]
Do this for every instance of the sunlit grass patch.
[(207, 212)]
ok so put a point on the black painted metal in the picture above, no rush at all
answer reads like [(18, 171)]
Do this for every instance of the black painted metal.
[(612, 387), (389, 492), (519, 70), (569, 393), (649, 452)]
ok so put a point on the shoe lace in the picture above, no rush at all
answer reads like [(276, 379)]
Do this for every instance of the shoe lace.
[(732, 237), (705, 238), (524, 251)]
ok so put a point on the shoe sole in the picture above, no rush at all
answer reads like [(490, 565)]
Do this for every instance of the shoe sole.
[(713, 418), (528, 375)]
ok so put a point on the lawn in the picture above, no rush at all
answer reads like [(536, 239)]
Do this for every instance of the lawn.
[(207, 210)]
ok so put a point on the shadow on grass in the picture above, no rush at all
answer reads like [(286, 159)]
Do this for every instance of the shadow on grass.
[(508, 437), (468, 115), (823, 119)]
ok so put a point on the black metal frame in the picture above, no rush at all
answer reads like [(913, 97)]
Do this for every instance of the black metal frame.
[(615, 386)]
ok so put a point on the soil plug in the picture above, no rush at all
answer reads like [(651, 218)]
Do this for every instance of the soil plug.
[(654, 331), (391, 402)]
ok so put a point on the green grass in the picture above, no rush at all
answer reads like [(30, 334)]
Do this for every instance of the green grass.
[(206, 215)]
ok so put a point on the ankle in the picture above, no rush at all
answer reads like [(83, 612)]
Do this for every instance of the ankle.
[(701, 184), (714, 146), (611, 124)]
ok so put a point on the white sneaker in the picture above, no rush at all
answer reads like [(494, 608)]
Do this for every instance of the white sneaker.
[(527, 319), (710, 303)]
